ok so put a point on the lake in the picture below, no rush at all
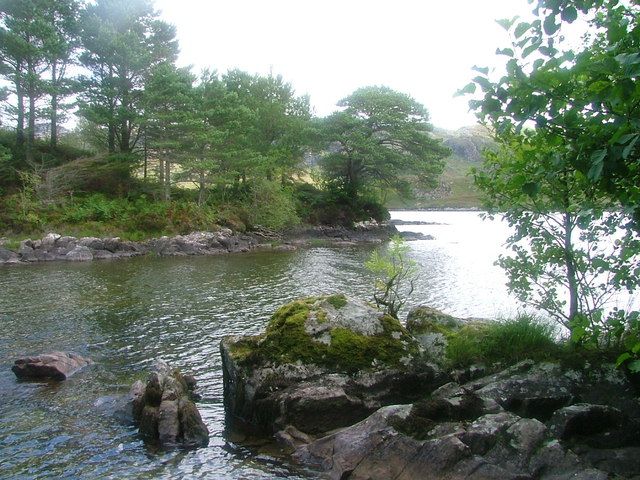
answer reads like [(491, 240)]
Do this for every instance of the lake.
[(126, 313)]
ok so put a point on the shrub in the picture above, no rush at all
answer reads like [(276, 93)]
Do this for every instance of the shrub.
[(505, 342), (334, 207), (271, 205)]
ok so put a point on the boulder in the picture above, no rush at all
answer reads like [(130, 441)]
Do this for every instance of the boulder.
[(323, 363), (55, 365), (522, 423), (80, 253), (164, 412), (431, 328), (8, 256)]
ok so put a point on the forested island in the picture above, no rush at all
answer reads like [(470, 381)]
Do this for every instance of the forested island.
[(165, 161)]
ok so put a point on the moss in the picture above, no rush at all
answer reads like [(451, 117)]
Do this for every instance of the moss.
[(244, 349), (423, 320), (391, 325), (352, 352), (287, 341), (337, 301)]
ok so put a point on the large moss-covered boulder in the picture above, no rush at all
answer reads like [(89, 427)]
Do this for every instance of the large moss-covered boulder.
[(322, 363)]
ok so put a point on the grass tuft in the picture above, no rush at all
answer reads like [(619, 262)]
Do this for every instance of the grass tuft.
[(505, 342)]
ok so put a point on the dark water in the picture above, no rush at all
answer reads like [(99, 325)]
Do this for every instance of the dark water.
[(125, 314)]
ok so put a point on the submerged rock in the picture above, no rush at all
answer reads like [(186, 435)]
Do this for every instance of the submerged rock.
[(323, 363), (55, 365), (164, 412), (529, 421)]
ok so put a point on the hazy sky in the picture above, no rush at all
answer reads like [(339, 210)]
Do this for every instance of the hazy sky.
[(328, 48)]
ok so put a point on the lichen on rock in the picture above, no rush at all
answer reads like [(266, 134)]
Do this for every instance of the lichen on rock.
[(335, 332), (322, 363)]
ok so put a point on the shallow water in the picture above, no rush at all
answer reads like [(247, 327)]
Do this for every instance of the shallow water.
[(124, 314)]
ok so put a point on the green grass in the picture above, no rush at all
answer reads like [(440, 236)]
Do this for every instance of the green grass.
[(503, 342)]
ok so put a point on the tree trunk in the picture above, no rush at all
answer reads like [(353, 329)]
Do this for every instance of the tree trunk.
[(125, 137), (167, 180), (146, 156), (125, 131), (31, 125), (570, 266), (201, 191), (54, 104), (20, 119), (111, 124), (111, 138)]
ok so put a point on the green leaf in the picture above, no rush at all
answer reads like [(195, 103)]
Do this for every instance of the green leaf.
[(628, 59), (467, 89), (600, 263), (623, 358), (626, 138), (485, 84), (597, 164), (634, 366), (505, 51), (530, 49), (569, 14), (531, 188), (550, 25), (521, 29), (482, 70), (548, 51), (629, 148), (506, 23), (616, 32)]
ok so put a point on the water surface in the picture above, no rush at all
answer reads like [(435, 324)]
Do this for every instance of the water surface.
[(126, 313)]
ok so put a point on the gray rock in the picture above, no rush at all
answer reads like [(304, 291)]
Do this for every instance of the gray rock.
[(26, 252), (80, 254), (164, 412), (55, 365), (102, 255), (411, 236), (290, 438), (92, 243), (431, 327), (49, 240), (8, 256), (433, 440), (168, 423), (268, 387), (583, 419)]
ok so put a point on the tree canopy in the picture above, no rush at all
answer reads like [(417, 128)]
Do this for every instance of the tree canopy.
[(381, 140), (588, 98), (567, 175)]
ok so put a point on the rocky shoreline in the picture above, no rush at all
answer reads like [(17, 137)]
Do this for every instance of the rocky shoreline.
[(55, 247), (351, 392)]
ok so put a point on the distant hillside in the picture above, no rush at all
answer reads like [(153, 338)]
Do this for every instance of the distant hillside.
[(456, 188)]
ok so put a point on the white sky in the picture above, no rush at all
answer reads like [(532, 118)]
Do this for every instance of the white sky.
[(329, 48)]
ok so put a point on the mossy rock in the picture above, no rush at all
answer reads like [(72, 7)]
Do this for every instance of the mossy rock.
[(424, 319), (336, 332)]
